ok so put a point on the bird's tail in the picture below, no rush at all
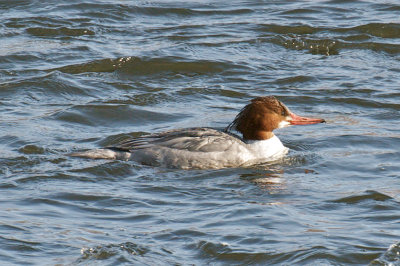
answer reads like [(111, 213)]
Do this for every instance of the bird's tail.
[(108, 154)]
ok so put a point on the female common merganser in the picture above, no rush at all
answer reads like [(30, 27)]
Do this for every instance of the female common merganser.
[(203, 148)]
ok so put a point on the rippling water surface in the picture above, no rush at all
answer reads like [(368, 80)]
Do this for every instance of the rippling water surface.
[(77, 75)]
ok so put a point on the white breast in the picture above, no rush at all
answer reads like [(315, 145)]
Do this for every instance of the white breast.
[(267, 150)]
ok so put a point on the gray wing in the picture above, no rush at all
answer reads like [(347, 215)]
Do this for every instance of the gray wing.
[(191, 139)]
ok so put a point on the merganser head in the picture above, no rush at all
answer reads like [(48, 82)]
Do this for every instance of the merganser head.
[(262, 115)]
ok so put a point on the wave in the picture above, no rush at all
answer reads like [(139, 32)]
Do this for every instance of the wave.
[(369, 195), (390, 257), (139, 66)]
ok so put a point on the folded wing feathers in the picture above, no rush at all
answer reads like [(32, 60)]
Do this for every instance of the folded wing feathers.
[(195, 139)]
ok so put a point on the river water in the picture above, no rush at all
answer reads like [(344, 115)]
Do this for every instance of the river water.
[(78, 75)]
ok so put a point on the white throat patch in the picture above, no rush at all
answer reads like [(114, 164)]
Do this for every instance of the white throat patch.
[(283, 124)]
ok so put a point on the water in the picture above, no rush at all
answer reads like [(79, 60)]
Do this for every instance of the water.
[(77, 75)]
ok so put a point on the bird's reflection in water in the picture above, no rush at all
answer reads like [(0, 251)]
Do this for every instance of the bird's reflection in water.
[(268, 179)]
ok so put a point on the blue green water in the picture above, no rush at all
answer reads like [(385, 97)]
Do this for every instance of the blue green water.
[(77, 75)]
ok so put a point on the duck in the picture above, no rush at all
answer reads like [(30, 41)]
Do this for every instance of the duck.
[(209, 148)]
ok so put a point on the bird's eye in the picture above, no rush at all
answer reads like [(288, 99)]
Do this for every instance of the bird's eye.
[(283, 113)]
